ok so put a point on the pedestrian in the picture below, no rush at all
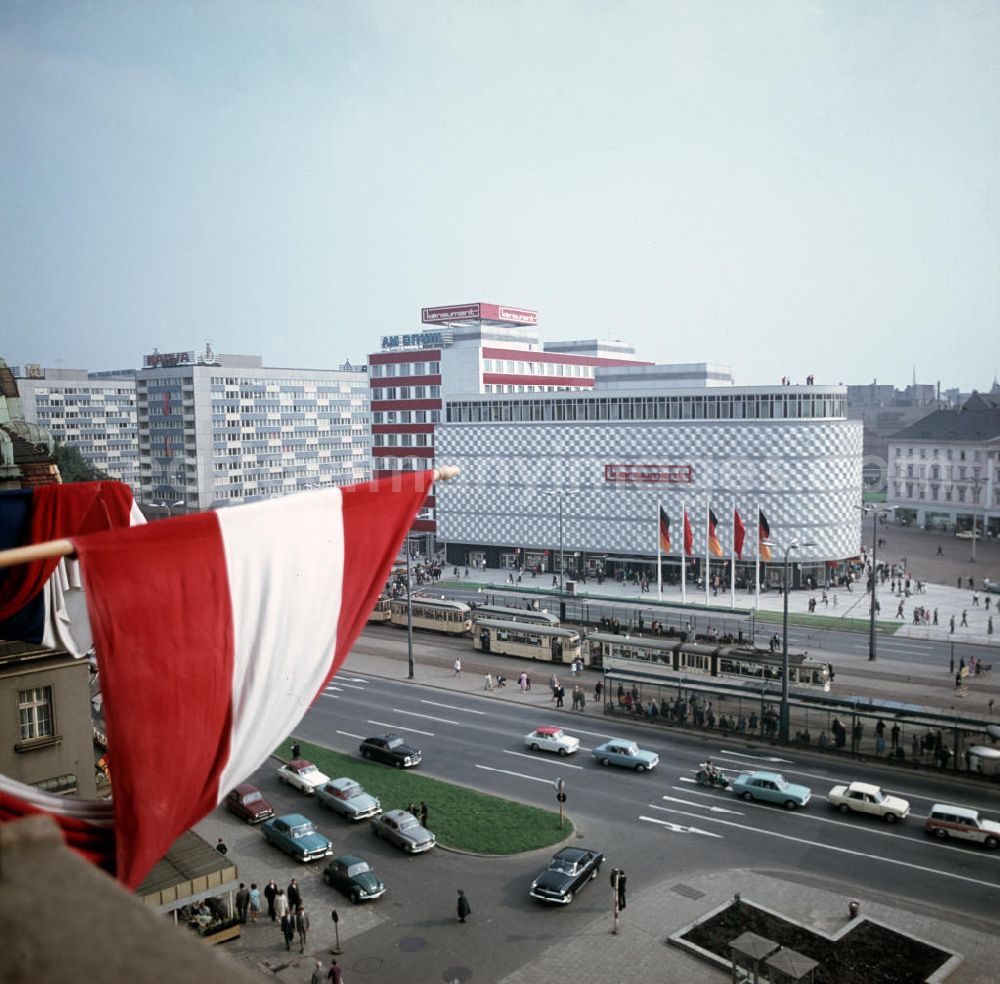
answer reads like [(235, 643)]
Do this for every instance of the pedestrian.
[(254, 902), (271, 894), (220, 846), (935, 617), (560, 694), (335, 974), (952, 624), (522, 681), (301, 925), (293, 895), (989, 625), (598, 690), (965, 620), (280, 904), (423, 813), (527, 683), (242, 902), (975, 599), (894, 733), (458, 667), (319, 974), (899, 610), (296, 750), (288, 929), (915, 747), (489, 681), (463, 907)]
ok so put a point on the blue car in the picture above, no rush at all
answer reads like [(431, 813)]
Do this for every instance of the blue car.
[(297, 836), (619, 751), (771, 787)]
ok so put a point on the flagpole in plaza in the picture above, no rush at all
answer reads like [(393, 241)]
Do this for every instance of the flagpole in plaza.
[(708, 538), (732, 562), (757, 562), (684, 545), (659, 542)]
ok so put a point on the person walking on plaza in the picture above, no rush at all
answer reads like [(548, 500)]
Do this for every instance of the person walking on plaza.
[(489, 681), (242, 902), (281, 904), (301, 925), (423, 813), (293, 895), (254, 902), (989, 625), (965, 620), (899, 610), (951, 627), (220, 846), (288, 929), (522, 681), (271, 894), (458, 667), (335, 974), (463, 907), (319, 974)]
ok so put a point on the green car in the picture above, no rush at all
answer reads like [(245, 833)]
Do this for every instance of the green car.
[(354, 877)]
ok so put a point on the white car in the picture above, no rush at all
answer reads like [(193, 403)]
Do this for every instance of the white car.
[(303, 775), (862, 797), (549, 739)]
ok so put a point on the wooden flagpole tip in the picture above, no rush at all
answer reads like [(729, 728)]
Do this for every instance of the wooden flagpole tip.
[(444, 472), (37, 551)]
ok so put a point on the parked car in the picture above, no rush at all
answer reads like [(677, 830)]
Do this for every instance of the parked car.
[(771, 787), (619, 751), (550, 739), (248, 803), (566, 874), (966, 535), (297, 836), (347, 797), (404, 830), (991, 587), (960, 822), (862, 797), (303, 775), (354, 877), (390, 750)]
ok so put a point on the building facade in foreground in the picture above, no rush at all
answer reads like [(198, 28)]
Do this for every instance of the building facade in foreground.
[(582, 475), (944, 470)]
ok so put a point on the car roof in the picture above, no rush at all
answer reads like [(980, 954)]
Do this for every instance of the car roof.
[(244, 788), (294, 819), (765, 774), (398, 814), (299, 764), (956, 810), (620, 741), (548, 729), (344, 781), (864, 787), (385, 736), (349, 859), (573, 853)]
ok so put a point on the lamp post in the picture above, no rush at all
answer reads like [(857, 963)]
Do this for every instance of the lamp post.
[(561, 494), (783, 719), (977, 483), (876, 512), (409, 612)]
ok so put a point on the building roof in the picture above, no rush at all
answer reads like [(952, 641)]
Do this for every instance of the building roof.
[(977, 420)]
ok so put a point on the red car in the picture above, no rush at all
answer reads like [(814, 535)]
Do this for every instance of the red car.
[(248, 803)]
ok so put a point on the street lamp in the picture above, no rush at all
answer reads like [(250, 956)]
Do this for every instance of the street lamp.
[(783, 719), (409, 612), (876, 512), (561, 494), (977, 483)]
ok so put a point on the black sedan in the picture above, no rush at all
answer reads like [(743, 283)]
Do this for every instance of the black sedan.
[(566, 874), (354, 877), (390, 750)]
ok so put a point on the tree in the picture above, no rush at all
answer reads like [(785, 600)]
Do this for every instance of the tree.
[(74, 467)]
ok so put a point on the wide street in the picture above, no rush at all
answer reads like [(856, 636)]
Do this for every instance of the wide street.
[(658, 827)]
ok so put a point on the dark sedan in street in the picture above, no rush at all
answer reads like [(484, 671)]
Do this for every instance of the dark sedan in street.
[(566, 874), (248, 803), (354, 877), (390, 750)]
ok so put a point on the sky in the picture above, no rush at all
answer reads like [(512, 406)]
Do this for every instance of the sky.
[(786, 187)]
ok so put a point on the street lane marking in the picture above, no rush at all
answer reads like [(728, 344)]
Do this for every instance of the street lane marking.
[(835, 849), (755, 758), (351, 734), (355, 679), (340, 683), (396, 727), (519, 775), (679, 828), (429, 717), (451, 707), (714, 809), (561, 762), (329, 696), (883, 830)]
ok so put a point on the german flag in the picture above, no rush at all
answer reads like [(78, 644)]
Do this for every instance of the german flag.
[(713, 540), (739, 534), (688, 537), (664, 531), (763, 533)]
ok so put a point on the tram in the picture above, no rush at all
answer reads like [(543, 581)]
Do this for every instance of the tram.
[(500, 613), (382, 610), (671, 659), (527, 640), (434, 614)]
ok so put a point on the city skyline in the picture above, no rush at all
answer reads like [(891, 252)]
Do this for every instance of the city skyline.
[(792, 189)]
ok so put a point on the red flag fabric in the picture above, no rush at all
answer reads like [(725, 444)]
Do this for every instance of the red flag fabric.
[(688, 537), (763, 533), (739, 534), (713, 540), (216, 631), (664, 531)]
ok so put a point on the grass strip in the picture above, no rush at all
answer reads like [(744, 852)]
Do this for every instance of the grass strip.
[(461, 818), (830, 622)]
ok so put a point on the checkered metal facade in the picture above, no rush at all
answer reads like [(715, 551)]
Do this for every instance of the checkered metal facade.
[(805, 475)]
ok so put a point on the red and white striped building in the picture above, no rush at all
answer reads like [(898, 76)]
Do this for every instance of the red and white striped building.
[(469, 349)]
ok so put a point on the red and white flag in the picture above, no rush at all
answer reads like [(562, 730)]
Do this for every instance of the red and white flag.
[(216, 631)]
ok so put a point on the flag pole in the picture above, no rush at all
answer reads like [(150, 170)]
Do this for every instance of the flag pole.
[(708, 529), (757, 562), (732, 562), (65, 548), (684, 513), (659, 539)]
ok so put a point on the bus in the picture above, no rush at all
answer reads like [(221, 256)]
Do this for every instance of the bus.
[(527, 640), (434, 614), (672, 659), (500, 613)]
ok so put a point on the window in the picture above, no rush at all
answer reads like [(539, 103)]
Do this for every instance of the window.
[(34, 709)]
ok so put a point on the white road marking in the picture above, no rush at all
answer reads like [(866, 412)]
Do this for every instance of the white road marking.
[(843, 850), (396, 727), (340, 683), (329, 696), (714, 809), (451, 707), (351, 734), (535, 757), (429, 717), (679, 829), (354, 679), (519, 775), (755, 758)]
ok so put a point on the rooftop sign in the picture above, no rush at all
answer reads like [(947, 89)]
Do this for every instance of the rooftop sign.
[(479, 312), (156, 360)]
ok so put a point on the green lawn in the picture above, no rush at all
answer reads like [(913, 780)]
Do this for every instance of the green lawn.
[(460, 818), (830, 622)]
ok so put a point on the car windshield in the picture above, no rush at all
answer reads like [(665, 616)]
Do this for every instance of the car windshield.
[(254, 797), (566, 867), (408, 823), (394, 743), (780, 783), (878, 796), (358, 869), (303, 830), (307, 770)]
